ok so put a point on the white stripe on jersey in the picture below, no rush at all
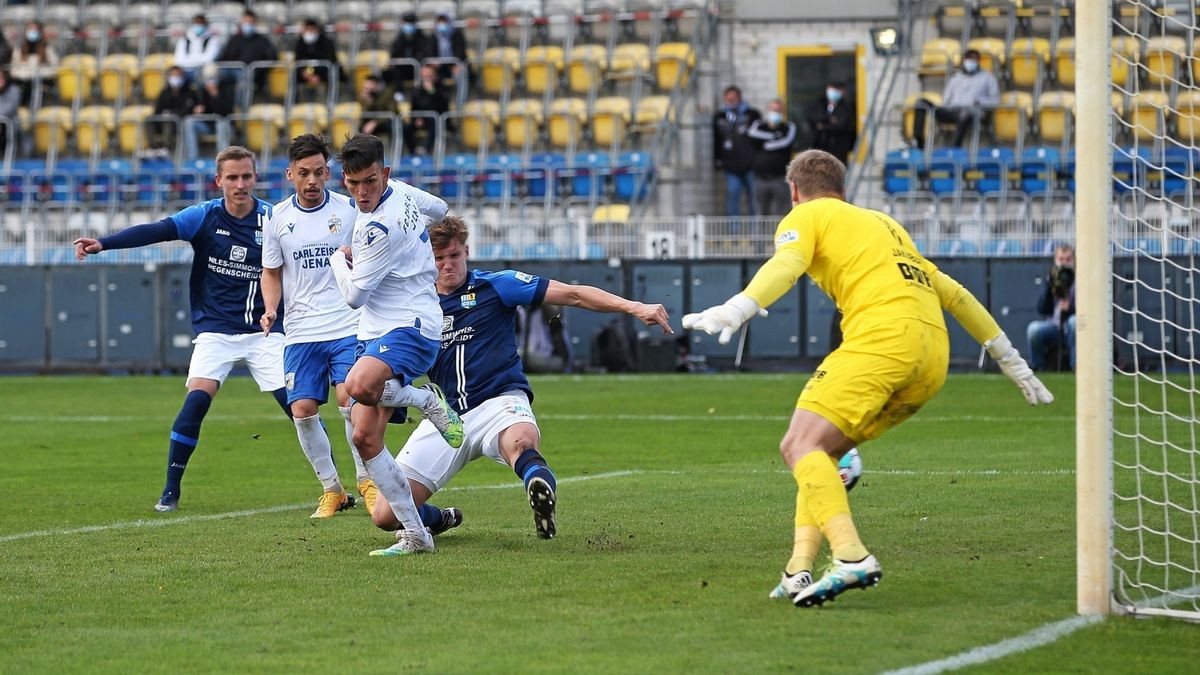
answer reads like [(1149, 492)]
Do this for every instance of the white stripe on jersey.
[(460, 371), (253, 291)]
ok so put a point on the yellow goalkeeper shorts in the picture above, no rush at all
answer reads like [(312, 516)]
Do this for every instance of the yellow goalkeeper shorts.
[(874, 382)]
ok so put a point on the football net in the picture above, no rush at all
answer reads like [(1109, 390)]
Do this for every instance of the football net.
[(1154, 125)]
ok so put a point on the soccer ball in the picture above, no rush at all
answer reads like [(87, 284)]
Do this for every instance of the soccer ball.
[(850, 467)]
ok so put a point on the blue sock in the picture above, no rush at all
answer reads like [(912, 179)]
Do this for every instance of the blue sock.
[(431, 516), (531, 464), (280, 395), (185, 434)]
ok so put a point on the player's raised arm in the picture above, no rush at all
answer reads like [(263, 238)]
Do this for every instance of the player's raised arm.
[(130, 237), (974, 317), (431, 206), (598, 300)]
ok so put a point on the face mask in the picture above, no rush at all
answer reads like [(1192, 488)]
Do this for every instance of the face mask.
[(834, 95), (445, 28), (174, 82), (970, 65), (198, 30), (33, 35), (310, 38), (774, 118), (247, 29), (408, 28)]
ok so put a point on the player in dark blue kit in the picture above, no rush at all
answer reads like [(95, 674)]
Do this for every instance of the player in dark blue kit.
[(226, 236), (480, 371)]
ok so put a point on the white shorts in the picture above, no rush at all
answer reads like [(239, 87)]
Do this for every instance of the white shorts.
[(428, 459), (216, 354)]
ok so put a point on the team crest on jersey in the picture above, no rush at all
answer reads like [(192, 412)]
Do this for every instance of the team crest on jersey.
[(467, 300), (522, 276), (448, 323), (290, 381), (335, 224), (786, 237), (238, 253)]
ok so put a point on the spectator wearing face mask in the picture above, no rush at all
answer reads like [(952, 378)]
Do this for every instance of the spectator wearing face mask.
[(197, 48), (734, 152), (314, 45), (420, 133), (968, 96), (833, 123), (177, 99), (448, 42), (249, 46), (411, 43), (35, 60), (777, 135)]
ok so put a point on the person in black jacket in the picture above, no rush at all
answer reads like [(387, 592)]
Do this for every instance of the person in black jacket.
[(1057, 305), (777, 135), (420, 133), (177, 99), (448, 42), (248, 46), (314, 45), (411, 43), (734, 152), (214, 99), (833, 123)]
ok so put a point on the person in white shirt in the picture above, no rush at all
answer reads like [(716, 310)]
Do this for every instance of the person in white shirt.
[(197, 48), (388, 272)]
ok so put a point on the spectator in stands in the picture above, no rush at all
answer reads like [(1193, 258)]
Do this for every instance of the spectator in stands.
[(734, 152), (777, 135), (5, 50), (411, 43), (833, 123), (249, 46), (966, 99), (34, 61), (10, 102), (1056, 304), (420, 133), (448, 43), (214, 99), (177, 99), (197, 48), (376, 97), (314, 45)]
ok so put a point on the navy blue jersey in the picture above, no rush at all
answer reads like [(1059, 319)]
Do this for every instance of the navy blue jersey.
[(226, 266), (478, 359)]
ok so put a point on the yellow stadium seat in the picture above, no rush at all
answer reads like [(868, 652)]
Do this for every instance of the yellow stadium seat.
[(628, 61), (1054, 111), (585, 67), (498, 68), (611, 116), (991, 53), (1027, 59), (522, 122), (1012, 116), (611, 213), (76, 74), (264, 122), (566, 119), (1163, 56), (93, 128), (117, 74), (279, 77), (1064, 62), (672, 63), (154, 73), (939, 57), (909, 119), (650, 111), (1187, 117), (366, 62), (1126, 52), (347, 117), (50, 126), (542, 68), (1148, 114), (307, 118), (479, 122), (131, 134)]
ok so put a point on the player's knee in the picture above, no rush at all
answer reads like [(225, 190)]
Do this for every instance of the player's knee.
[(368, 443), (383, 517), (361, 390), (304, 408)]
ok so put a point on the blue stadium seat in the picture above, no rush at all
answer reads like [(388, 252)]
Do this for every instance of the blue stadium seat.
[(1179, 165), (946, 170), (413, 169), (12, 255), (1038, 169), (900, 171), (456, 175), (1129, 168), (1140, 246), (589, 174), (51, 186), (595, 251), (495, 251), (631, 177), (1003, 247), (540, 171), (541, 251), (990, 169), (99, 186), (953, 247), (1179, 245), (500, 177)]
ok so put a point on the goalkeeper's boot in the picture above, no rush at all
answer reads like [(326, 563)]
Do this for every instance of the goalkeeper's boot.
[(542, 500), (451, 518), (408, 543), (841, 576), (167, 503), (369, 492), (790, 585), (331, 502), (448, 423)]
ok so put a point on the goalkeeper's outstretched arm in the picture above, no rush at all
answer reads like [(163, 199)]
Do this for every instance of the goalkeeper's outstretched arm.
[(773, 279), (974, 317)]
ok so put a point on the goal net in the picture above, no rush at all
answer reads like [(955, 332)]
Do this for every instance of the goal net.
[(1154, 131)]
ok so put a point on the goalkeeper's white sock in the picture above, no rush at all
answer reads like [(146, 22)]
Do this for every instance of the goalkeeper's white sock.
[(360, 471), (396, 395), (315, 444), (393, 485)]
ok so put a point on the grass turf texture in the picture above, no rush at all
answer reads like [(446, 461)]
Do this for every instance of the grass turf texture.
[(969, 506)]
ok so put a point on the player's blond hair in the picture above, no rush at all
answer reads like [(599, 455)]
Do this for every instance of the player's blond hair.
[(232, 154), (816, 173), (446, 230)]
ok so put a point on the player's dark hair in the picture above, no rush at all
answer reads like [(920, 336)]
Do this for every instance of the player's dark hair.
[(816, 173), (446, 230), (307, 145), (361, 152), (234, 153)]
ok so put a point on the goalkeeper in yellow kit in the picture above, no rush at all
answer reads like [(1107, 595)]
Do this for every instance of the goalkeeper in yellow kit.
[(892, 360)]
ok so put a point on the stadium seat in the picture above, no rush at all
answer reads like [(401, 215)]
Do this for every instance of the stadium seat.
[(131, 135), (50, 127), (543, 64), (565, 121), (628, 61), (1003, 247), (154, 74), (610, 118), (76, 74), (456, 175), (901, 171), (263, 125), (946, 170), (1179, 165), (955, 247), (1148, 115), (523, 118), (1064, 62), (500, 177), (991, 169), (586, 65), (117, 75), (1038, 169), (1129, 168), (541, 173), (496, 251), (1028, 58), (366, 62), (418, 170), (347, 117), (279, 76), (542, 250), (305, 118), (1162, 58), (93, 128), (909, 115), (631, 177), (1055, 112), (991, 53), (590, 174), (1011, 118), (480, 117), (611, 213), (939, 57), (672, 63), (497, 69), (651, 110)]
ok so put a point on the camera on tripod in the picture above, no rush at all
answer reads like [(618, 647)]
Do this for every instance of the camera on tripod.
[(1061, 281)]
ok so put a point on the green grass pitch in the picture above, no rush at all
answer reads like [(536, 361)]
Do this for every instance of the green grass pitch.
[(675, 519)]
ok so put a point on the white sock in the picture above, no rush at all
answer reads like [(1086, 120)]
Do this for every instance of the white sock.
[(396, 395), (360, 471), (315, 444), (393, 485)]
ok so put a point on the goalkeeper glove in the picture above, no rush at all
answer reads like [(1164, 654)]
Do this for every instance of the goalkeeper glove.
[(1017, 370), (724, 320)]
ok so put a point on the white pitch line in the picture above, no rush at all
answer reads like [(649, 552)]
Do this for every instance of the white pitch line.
[(1038, 637)]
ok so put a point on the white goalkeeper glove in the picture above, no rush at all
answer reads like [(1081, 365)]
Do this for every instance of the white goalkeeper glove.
[(724, 320), (1017, 370)]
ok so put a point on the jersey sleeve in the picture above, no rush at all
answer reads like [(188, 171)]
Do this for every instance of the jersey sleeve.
[(272, 252), (430, 206), (795, 241), (964, 307), (372, 255), (518, 288)]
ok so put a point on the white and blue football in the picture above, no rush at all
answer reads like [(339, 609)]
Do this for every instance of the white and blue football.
[(851, 468)]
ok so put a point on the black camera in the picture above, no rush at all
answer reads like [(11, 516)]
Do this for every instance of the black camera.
[(1061, 281)]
